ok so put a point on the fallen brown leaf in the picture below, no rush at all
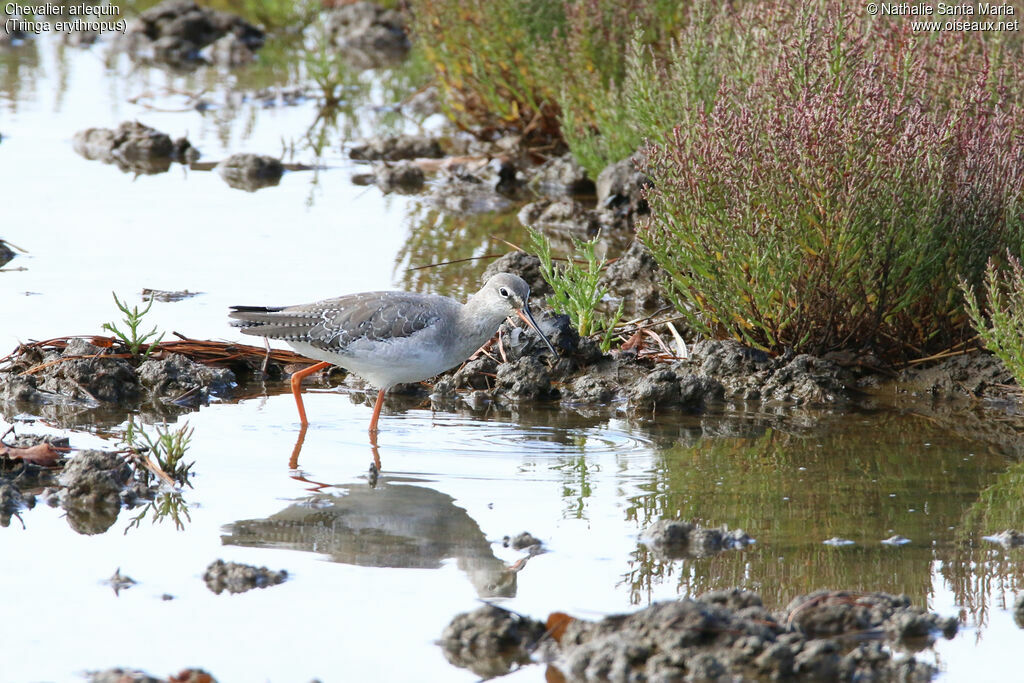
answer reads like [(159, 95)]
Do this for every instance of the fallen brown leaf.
[(42, 454)]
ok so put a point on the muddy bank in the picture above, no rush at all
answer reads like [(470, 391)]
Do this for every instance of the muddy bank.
[(975, 375), (86, 375), (722, 634), (64, 377), (522, 369)]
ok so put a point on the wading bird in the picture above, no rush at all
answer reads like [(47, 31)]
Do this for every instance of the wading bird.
[(390, 338)]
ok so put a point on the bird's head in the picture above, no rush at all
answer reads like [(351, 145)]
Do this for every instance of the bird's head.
[(510, 295)]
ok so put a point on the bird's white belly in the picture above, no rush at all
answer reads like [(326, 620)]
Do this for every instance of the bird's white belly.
[(386, 363)]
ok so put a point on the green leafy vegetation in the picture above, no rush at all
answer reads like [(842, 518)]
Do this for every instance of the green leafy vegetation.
[(276, 15), (511, 66), (132, 321), (578, 292), (1001, 325)]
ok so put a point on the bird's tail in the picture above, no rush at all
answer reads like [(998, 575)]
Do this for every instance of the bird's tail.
[(254, 316)]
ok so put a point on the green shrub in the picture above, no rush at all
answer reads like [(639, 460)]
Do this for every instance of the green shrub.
[(487, 57), (1003, 333), (664, 82), (510, 65), (830, 200)]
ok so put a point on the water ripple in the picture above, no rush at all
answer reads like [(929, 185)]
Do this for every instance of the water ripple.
[(496, 437)]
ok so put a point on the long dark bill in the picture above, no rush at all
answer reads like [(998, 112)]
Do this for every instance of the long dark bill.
[(527, 318)]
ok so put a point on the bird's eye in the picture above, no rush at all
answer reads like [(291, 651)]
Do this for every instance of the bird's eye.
[(503, 292)]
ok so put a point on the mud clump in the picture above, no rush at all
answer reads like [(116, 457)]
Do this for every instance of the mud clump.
[(636, 279), (397, 148), (1018, 611), (565, 216), (726, 634), (176, 31), (233, 577), (750, 374), (368, 35), (21, 480), (620, 189), (251, 172), (832, 613), (561, 176), (93, 482), (664, 388), (966, 376), (590, 390), (184, 381), (671, 539), (490, 641), (473, 188), (77, 374), (525, 379), (134, 148), (402, 177)]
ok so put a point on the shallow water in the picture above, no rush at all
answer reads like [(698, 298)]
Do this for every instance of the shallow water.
[(376, 573)]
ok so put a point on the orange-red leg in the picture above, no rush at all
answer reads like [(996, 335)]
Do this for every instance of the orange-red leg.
[(297, 387), (376, 413)]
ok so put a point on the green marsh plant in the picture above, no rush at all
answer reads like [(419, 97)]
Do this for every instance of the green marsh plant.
[(279, 15), (511, 65), (1001, 325), (578, 289), (132, 320), (832, 201)]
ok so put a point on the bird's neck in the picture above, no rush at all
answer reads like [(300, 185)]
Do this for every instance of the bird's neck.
[(478, 322)]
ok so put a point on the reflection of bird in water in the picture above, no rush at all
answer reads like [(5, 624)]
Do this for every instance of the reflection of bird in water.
[(394, 525), (390, 338)]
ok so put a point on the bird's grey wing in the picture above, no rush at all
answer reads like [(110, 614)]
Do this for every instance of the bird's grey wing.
[(390, 315), (333, 324)]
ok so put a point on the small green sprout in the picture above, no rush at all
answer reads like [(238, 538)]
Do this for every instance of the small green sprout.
[(133, 319), (578, 290)]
